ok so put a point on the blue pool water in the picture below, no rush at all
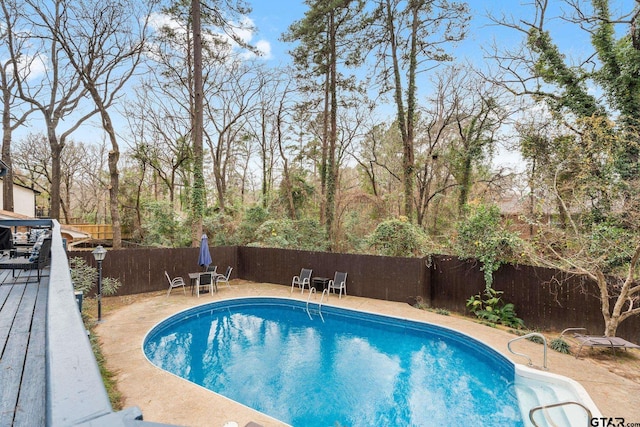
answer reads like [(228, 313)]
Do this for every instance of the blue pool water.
[(346, 368)]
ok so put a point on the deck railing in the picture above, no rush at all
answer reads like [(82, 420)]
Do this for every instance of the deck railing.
[(75, 393)]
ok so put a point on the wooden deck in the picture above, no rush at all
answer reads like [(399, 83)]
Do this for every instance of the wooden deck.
[(23, 308)]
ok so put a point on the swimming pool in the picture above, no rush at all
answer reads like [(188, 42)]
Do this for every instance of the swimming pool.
[(342, 368)]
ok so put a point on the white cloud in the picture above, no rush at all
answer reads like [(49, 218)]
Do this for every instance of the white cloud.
[(265, 48), (31, 67), (160, 20), (244, 31)]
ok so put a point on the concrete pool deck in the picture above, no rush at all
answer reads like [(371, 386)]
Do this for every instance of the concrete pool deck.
[(165, 398)]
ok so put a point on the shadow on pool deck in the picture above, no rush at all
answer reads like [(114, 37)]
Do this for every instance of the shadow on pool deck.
[(164, 397)]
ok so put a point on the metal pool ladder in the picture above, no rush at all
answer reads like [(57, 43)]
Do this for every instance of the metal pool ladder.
[(313, 291), (532, 334), (545, 413)]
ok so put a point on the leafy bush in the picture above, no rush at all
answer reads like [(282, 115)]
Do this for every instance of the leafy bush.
[(355, 233), (276, 233), (612, 244), (162, 227), (252, 219), (305, 234), (492, 309), (301, 191), (536, 339), (400, 238), (84, 277), (560, 345), (220, 229), (482, 236), (312, 236)]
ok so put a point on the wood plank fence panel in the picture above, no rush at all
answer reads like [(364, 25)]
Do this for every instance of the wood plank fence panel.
[(142, 269), (453, 281), (393, 279), (442, 281)]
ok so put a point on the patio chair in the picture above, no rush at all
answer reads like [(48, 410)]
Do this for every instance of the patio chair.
[(176, 282), (584, 339), (339, 282), (206, 279), (224, 277), (212, 269), (303, 279)]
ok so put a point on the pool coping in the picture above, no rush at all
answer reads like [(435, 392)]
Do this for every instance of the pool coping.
[(123, 331), (461, 338)]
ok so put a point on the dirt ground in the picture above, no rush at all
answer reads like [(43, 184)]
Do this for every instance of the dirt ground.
[(613, 382)]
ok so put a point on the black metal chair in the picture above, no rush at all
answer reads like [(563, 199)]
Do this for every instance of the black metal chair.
[(339, 282), (303, 279), (205, 279)]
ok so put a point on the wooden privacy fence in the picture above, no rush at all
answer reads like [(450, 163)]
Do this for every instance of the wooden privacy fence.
[(543, 298)]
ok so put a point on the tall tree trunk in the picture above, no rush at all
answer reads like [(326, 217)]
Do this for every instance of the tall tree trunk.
[(56, 153), (286, 175), (263, 148), (408, 151), (401, 113), (332, 168), (114, 181), (198, 199), (465, 183), (325, 137), (7, 190)]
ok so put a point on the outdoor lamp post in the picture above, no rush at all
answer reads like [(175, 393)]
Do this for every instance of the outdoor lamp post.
[(99, 254)]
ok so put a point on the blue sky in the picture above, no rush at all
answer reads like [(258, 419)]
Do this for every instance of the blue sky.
[(274, 17)]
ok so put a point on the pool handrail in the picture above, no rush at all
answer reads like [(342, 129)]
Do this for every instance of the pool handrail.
[(532, 334), (555, 405)]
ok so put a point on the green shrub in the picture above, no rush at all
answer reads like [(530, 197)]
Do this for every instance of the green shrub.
[(312, 236), (399, 238), (612, 244), (276, 233), (560, 345), (84, 277), (252, 219), (301, 191), (482, 236), (221, 230), (536, 339), (162, 227), (492, 309)]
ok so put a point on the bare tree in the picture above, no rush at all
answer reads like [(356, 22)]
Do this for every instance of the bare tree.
[(231, 98), (263, 127), (595, 160), (81, 173), (104, 42), (90, 194), (203, 32), (161, 136), (14, 111), (58, 93), (32, 158), (72, 162), (410, 38)]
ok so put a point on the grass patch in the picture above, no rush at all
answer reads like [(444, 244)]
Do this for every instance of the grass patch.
[(108, 377)]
